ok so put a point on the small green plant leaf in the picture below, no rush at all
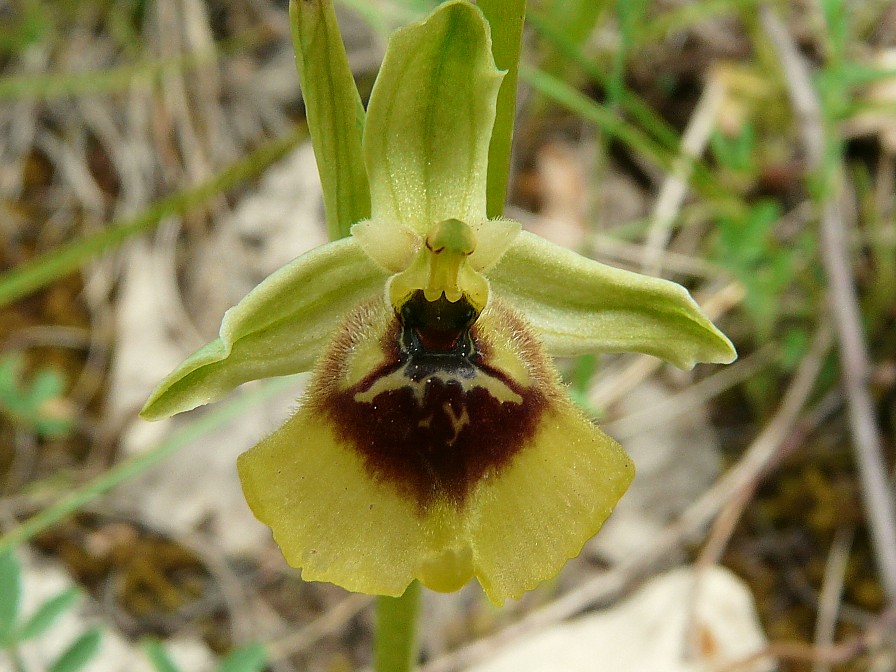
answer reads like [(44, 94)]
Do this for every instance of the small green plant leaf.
[(10, 589), (859, 73), (47, 383), (249, 658), (47, 613), (78, 654), (735, 152), (32, 404), (159, 658)]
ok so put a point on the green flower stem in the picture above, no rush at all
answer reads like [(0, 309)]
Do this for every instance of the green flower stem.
[(505, 18), (395, 649), (31, 276), (135, 466)]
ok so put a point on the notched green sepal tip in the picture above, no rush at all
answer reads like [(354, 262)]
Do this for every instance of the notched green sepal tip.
[(173, 395), (578, 305)]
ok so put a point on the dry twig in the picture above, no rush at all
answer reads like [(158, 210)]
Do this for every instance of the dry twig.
[(880, 631)]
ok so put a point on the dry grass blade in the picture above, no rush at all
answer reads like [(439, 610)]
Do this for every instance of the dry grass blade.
[(675, 187), (876, 491), (330, 622), (832, 593)]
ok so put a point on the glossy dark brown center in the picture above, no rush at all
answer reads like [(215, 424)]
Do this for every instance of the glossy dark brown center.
[(435, 419)]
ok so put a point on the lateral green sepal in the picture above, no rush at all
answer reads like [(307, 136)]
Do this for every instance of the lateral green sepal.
[(278, 329), (578, 305)]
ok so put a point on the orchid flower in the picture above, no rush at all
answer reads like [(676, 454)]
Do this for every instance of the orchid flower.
[(435, 440)]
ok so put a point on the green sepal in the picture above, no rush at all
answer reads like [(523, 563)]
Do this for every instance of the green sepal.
[(278, 329), (430, 120), (578, 305), (334, 112)]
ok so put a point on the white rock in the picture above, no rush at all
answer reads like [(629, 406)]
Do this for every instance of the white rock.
[(649, 632), (148, 344)]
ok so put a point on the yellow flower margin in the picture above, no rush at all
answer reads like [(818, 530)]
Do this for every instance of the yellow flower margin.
[(436, 441)]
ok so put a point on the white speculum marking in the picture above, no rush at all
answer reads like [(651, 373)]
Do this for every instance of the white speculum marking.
[(401, 380)]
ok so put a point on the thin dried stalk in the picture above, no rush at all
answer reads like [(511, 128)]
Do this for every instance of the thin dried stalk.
[(854, 362)]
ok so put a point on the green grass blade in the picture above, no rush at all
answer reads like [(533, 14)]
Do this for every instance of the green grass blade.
[(576, 21), (10, 592), (575, 101), (138, 464), (642, 113), (79, 653), (249, 658), (506, 20), (48, 613), (159, 658), (631, 16), (371, 14), (686, 15), (39, 272), (46, 86), (334, 112), (55, 85), (610, 123)]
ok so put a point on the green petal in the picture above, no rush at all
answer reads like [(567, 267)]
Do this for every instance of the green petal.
[(430, 119), (578, 305), (277, 329)]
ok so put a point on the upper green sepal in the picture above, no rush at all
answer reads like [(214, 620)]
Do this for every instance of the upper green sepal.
[(578, 305), (278, 329), (430, 119)]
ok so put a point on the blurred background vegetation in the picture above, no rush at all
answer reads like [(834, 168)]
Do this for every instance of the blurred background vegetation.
[(707, 141)]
